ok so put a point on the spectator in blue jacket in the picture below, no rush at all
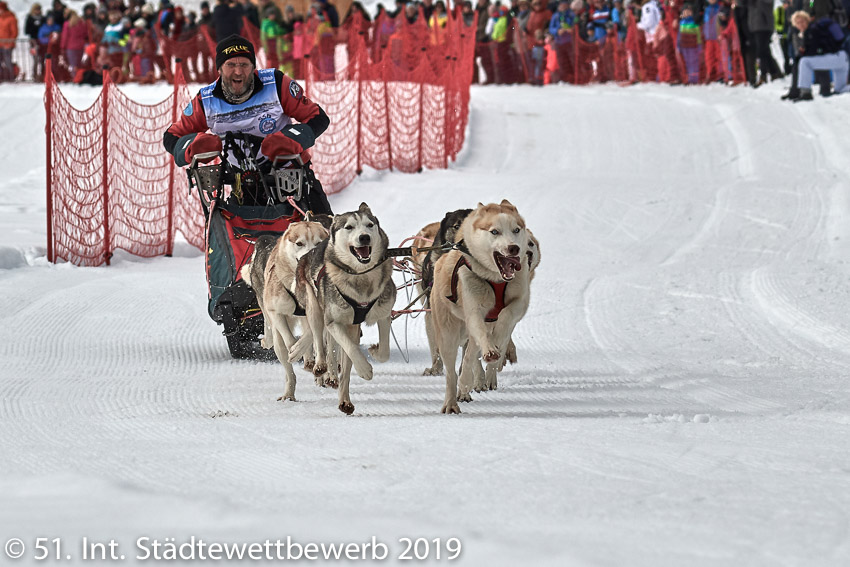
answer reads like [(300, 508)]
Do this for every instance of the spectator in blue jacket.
[(600, 20), (48, 28), (561, 30), (561, 24)]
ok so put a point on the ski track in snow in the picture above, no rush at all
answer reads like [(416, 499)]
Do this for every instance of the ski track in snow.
[(681, 393)]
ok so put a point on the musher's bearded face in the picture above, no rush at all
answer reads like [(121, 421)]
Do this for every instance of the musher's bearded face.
[(236, 74)]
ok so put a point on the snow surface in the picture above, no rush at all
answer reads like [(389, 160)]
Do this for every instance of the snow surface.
[(681, 395)]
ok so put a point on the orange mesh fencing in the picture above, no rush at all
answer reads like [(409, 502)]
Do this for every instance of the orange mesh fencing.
[(111, 185)]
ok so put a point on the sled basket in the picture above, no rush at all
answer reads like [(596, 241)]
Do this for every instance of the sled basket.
[(231, 234)]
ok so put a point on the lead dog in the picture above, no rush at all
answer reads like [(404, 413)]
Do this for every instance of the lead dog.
[(480, 292), (343, 282), (488, 381), (271, 273)]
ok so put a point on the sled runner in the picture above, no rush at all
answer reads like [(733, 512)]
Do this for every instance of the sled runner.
[(243, 198)]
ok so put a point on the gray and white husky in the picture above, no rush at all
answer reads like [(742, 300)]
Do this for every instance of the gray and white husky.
[(343, 282)]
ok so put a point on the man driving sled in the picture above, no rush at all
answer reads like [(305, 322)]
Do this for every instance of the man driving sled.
[(261, 103)]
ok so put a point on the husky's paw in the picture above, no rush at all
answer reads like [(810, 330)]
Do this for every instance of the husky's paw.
[(375, 352), (464, 397), (309, 363), (285, 397), (266, 342), (319, 369), (510, 354), (449, 408), (491, 383), (365, 372), (346, 407), (327, 381), (478, 385), (491, 355), (433, 371)]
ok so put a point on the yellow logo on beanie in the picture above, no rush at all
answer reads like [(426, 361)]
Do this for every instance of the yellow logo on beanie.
[(235, 49)]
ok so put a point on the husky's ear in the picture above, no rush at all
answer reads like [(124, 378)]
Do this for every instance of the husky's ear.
[(308, 216), (364, 208), (506, 203), (480, 205)]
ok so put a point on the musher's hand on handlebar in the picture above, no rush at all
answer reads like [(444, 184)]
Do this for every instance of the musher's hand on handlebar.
[(192, 145), (292, 140)]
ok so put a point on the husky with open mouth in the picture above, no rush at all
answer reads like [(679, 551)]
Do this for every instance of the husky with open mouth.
[(480, 292), (343, 282)]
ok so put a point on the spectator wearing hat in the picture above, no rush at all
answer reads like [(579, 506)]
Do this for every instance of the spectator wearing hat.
[(143, 48), (47, 29), (262, 103), (689, 42), (205, 17)]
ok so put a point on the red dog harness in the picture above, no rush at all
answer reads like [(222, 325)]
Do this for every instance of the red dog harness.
[(498, 290)]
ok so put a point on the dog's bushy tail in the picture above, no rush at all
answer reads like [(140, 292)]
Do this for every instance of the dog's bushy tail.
[(246, 273)]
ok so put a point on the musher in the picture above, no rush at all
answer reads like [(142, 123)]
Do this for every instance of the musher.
[(262, 103)]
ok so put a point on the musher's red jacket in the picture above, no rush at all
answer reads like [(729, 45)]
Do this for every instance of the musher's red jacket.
[(292, 100)]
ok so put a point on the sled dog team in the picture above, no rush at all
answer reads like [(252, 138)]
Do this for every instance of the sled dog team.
[(331, 274)]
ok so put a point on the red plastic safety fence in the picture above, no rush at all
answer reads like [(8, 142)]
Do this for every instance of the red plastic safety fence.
[(111, 185)]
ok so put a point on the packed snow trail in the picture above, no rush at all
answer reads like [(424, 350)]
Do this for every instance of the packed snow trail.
[(681, 395)]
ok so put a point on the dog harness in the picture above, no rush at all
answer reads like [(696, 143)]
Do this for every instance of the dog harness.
[(299, 311), (360, 309), (498, 290)]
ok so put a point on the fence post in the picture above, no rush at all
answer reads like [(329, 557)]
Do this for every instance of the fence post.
[(358, 68), (178, 80), (447, 113), (48, 130), (107, 252), (421, 109), (387, 108), (575, 44)]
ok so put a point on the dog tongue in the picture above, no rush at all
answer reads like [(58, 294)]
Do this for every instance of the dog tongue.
[(509, 265), (362, 251)]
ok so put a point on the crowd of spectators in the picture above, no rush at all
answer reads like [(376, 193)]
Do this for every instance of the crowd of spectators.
[(534, 41)]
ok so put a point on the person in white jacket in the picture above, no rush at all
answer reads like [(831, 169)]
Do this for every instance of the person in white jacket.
[(650, 17)]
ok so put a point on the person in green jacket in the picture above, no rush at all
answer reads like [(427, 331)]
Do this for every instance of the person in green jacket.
[(276, 40), (782, 25)]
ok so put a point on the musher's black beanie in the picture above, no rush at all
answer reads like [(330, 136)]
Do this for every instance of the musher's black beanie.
[(234, 46)]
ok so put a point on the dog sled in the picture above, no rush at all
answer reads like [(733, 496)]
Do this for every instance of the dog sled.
[(244, 198)]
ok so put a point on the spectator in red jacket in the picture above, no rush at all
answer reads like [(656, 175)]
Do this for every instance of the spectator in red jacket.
[(8, 35), (75, 36), (539, 19)]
